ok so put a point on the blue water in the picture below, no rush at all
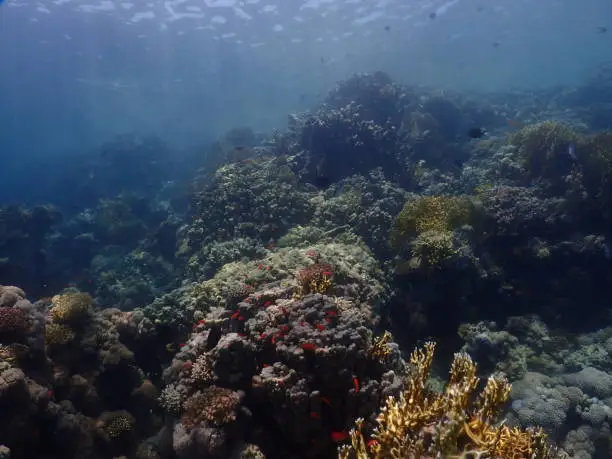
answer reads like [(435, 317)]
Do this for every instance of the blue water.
[(75, 73)]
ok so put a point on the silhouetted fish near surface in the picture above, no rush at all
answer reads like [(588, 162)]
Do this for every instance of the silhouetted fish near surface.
[(600, 29), (387, 28), (433, 15), (476, 133), (495, 44)]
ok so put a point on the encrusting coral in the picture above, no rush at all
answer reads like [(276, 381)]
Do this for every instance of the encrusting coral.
[(424, 424), (70, 308)]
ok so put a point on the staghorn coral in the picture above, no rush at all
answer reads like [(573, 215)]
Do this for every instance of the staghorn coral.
[(453, 424), (71, 308)]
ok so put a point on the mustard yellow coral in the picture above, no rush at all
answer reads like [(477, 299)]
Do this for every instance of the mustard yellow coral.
[(430, 214), (71, 308), (58, 334), (455, 423), (380, 349)]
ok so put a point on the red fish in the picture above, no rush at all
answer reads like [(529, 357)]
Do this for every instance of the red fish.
[(308, 346), (339, 436)]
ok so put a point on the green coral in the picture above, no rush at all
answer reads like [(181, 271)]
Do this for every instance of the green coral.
[(352, 263), (584, 172), (597, 170), (426, 226), (543, 146), (431, 248), (440, 214)]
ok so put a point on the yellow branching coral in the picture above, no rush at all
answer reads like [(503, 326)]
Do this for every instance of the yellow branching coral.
[(380, 349), (421, 424), (316, 278), (71, 308)]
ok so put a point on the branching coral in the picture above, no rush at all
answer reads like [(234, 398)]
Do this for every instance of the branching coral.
[(423, 424), (380, 349), (316, 278)]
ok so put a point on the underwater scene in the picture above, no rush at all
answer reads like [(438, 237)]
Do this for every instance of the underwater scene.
[(305, 229)]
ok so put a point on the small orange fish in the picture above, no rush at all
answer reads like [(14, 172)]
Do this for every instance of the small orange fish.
[(326, 401), (356, 383), (235, 315), (315, 415)]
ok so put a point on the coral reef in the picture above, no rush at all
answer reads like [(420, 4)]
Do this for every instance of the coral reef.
[(68, 386), (305, 366), (264, 310)]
